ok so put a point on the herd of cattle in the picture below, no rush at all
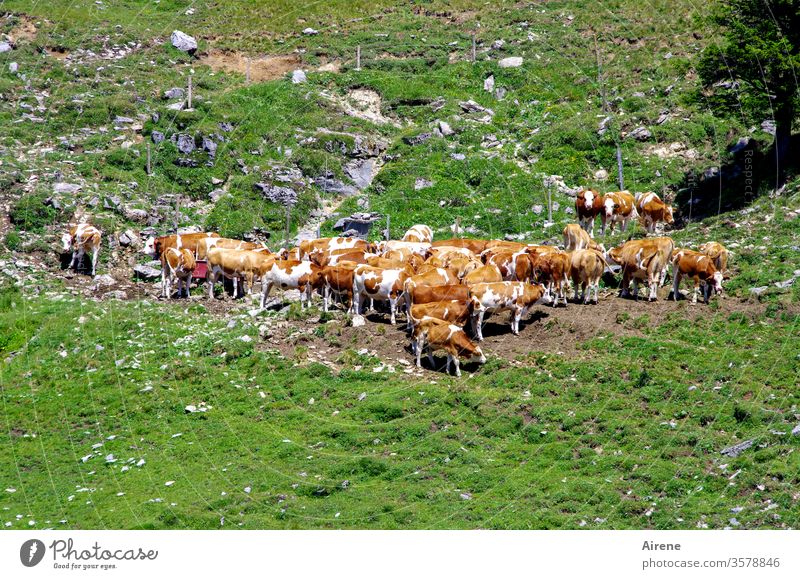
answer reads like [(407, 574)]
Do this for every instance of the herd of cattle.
[(442, 285)]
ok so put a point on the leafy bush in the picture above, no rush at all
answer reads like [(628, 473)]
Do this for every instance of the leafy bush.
[(31, 214)]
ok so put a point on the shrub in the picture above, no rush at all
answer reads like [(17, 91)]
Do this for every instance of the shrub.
[(31, 214)]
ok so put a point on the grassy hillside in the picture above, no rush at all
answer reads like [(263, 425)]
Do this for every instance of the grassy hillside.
[(612, 416)]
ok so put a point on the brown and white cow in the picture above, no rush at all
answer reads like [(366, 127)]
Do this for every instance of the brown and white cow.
[(451, 311), (699, 268), (516, 296), (586, 269), (618, 207), (718, 254), (206, 243), (419, 233), (486, 274), (419, 247), (81, 239), (156, 246), (241, 266), (291, 274), (180, 264), (476, 246), (338, 281), (432, 335), (433, 277), (437, 293), (329, 244), (653, 210), (588, 205), (378, 284), (642, 259), (552, 268)]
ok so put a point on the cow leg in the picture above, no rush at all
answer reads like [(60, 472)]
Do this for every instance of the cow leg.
[(418, 348), (392, 306), (325, 297), (636, 288), (458, 367), (95, 253), (696, 290), (653, 287), (266, 287), (479, 325), (515, 316), (676, 280), (430, 355)]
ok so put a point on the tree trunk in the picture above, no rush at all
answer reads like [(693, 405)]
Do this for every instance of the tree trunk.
[(783, 140)]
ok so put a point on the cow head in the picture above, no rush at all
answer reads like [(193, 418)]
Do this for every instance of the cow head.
[(609, 206), (66, 242), (614, 255), (668, 218), (150, 247), (717, 282)]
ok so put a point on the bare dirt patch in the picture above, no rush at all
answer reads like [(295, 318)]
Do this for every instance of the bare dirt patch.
[(24, 31), (362, 103), (261, 68), (58, 53)]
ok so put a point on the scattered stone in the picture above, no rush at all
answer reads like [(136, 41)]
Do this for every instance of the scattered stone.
[(421, 183), (357, 321), (471, 106), (758, 290), (465, 496), (417, 139), (146, 272), (157, 137), (115, 295), (601, 175), (640, 134), (174, 93), (13, 67), (737, 449), (134, 214), (458, 156), (183, 42), (796, 430), (488, 84), (785, 283), (129, 237), (768, 127), (537, 209), (104, 280), (185, 143), (298, 77), (70, 188), (5, 46), (277, 194), (510, 62), (310, 31), (445, 129), (500, 93)]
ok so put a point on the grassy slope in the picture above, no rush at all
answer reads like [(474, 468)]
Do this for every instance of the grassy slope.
[(612, 433)]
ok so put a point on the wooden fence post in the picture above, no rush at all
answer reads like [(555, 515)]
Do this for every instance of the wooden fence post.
[(189, 100), (247, 70), (358, 57), (386, 233), (473, 47), (149, 166)]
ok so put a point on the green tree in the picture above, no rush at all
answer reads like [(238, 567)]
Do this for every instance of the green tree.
[(754, 70)]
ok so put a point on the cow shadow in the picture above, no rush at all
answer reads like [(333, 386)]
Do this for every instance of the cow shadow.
[(500, 325), (84, 263)]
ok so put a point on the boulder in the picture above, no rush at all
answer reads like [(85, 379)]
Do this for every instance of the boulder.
[(445, 129), (640, 134), (183, 42), (157, 137), (185, 143), (488, 84), (174, 93), (5, 46), (298, 77), (70, 188), (417, 139), (133, 214), (13, 67), (146, 272), (129, 237), (510, 62)]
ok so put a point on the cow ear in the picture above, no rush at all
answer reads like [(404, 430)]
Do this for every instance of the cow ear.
[(726, 276)]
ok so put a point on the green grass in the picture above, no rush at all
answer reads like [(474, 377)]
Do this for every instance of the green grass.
[(546, 443)]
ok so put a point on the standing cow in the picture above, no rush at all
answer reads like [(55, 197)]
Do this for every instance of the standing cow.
[(588, 205), (618, 207), (653, 210), (81, 239)]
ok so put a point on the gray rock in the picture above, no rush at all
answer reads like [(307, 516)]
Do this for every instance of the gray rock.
[(510, 62), (357, 321), (333, 185), (361, 171), (129, 237), (488, 84), (53, 202), (640, 134), (458, 156), (796, 430), (104, 280), (785, 283), (569, 211), (70, 188), (112, 202), (310, 31), (277, 194), (768, 127), (185, 143), (500, 93), (174, 93), (183, 42), (133, 214), (445, 129), (421, 183), (118, 120), (471, 106), (157, 137), (13, 67), (5, 46), (758, 290), (737, 449), (216, 194), (537, 209), (209, 146), (146, 272), (740, 145), (601, 175), (298, 77), (417, 139)]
